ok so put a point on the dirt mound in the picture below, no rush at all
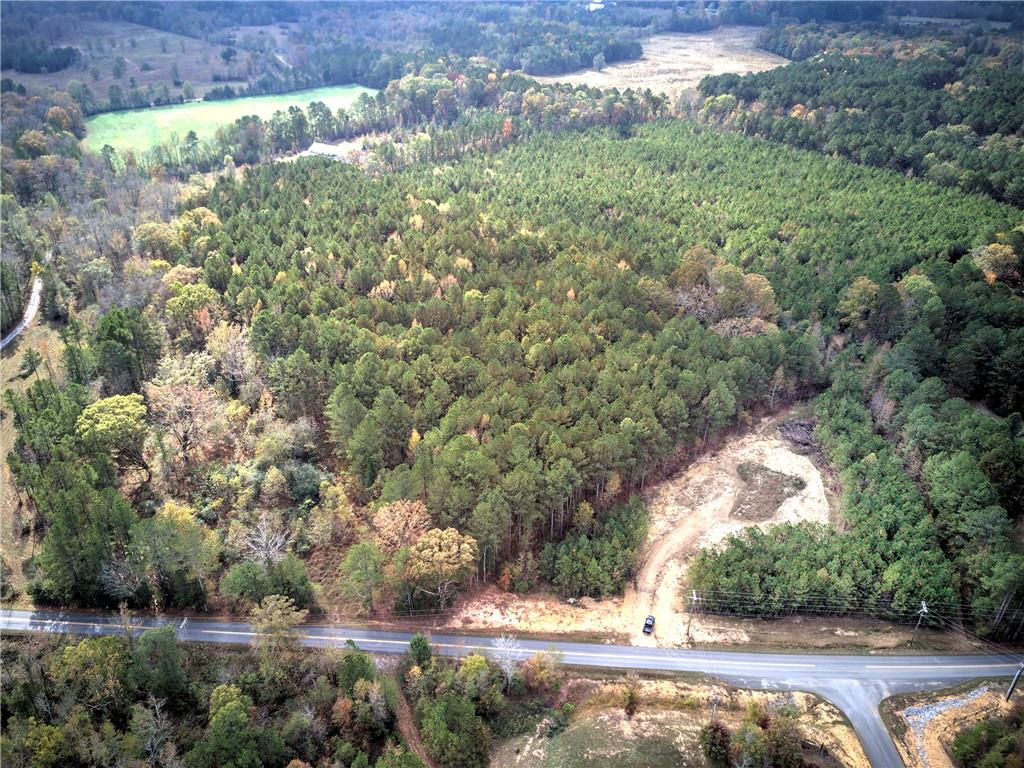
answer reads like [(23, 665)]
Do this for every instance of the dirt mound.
[(763, 492)]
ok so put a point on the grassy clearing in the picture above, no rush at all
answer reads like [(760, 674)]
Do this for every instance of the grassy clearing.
[(674, 63), (596, 739), (665, 730), (138, 130)]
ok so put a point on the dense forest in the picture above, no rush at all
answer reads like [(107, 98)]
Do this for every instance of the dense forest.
[(994, 742), (300, 388), (439, 113), (450, 347), (948, 107)]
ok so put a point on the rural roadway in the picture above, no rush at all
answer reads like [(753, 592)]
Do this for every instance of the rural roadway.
[(30, 313), (855, 684)]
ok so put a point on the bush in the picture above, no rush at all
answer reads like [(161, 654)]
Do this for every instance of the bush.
[(714, 743), (452, 732), (247, 583)]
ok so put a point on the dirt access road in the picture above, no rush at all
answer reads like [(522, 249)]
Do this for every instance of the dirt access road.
[(698, 509), (673, 63)]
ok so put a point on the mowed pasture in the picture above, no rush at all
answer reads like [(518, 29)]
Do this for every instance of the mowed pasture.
[(139, 130)]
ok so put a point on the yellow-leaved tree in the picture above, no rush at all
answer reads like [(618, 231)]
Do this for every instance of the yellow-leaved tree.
[(441, 561)]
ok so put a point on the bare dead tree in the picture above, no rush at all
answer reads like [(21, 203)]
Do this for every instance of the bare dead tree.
[(153, 727), (267, 540), (122, 576), (507, 653), (128, 624)]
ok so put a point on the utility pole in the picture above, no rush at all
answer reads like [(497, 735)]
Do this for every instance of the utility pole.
[(1016, 677), (920, 615), (689, 616)]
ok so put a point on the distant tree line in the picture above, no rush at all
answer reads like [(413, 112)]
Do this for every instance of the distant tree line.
[(31, 57)]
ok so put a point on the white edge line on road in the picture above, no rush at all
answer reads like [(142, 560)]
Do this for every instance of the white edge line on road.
[(936, 666)]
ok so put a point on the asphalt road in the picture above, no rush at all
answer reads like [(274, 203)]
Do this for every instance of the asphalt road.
[(30, 313), (855, 684)]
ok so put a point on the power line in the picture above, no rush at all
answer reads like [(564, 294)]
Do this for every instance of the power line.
[(985, 646), (736, 599)]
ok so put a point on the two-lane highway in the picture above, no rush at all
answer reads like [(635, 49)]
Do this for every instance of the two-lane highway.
[(855, 684)]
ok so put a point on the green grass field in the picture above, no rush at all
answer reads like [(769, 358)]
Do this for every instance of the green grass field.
[(139, 130)]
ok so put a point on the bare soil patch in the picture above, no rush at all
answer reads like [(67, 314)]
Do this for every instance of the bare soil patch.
[(665, 730), (538, 613), (673, 63), (716, 496)]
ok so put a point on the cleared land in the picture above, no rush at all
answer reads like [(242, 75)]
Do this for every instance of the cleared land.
[(138, 130), (674, 63), (699, 507), (694, 509), (718, 495), (664, 732)]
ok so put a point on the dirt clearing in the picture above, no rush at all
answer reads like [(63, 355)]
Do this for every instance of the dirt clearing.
[(759, 478), (664, 732), (755, 479), (674, 63)]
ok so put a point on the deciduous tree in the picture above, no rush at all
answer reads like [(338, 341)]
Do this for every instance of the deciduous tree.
[(441, 561)]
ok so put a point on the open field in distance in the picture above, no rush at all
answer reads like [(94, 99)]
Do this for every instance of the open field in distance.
[(141, 129), (149, 56), (673, 63)]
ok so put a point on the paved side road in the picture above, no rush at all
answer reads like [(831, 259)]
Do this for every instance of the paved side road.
[(30, 313), (855, 684)]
